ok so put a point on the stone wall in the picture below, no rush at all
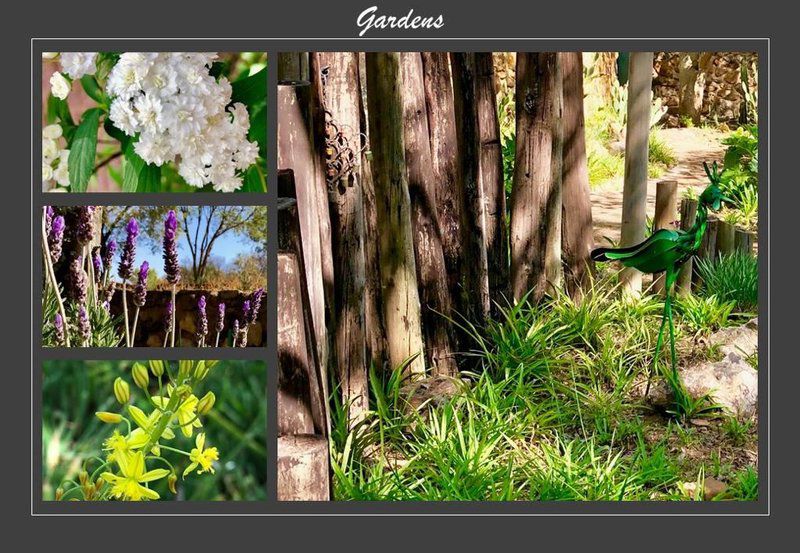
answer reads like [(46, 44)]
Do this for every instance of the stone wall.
[(719, 89), (150, 328)]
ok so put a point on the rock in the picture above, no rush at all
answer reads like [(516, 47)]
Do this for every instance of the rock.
[(732, 384), (432, 391), (711, 488), (741, 340)]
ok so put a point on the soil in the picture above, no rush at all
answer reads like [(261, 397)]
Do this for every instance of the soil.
[(691, 146)]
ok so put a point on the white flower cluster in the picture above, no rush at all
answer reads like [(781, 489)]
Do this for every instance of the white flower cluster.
[(54, 160), (75, 65), (179, 111)]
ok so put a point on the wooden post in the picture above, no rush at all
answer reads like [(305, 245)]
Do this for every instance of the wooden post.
[(292, 66), (634, 194), (688, 217), (474, 214), (431, 271), (303, 468), (296, 152), (576, 222), (397, 265), (552, 264), (708, 248), (302, 407), (726, 236), (744, 241), (666, 215), (340, 98), (490, 177), (533, 172)]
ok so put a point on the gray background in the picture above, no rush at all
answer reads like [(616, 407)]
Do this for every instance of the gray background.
[(463, 26)]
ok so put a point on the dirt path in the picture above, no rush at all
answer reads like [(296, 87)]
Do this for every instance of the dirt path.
[(692, 146)]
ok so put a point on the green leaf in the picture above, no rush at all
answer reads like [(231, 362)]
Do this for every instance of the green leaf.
[(138, 176), (83, 150), (254, 180), (251, 90), (258, 129), (92, 89), (116, 134), (58, 111)]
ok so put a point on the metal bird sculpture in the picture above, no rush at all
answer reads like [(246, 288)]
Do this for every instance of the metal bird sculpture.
[(666, 250)]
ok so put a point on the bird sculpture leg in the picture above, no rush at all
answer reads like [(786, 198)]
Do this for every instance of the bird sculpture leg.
[(659, 342), (668, 282)]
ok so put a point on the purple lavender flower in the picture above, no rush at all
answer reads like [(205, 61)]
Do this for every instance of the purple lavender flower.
[(256, 299), (168, 316), (107, 306), (245, 311), (55, 238), (84, 231), (83, 323), (242, 337), (58, 323), (125, 269), (140, 290), (77, 280), (97, 262), (171, 266), (49, 213), (202, 319), (108, 256), (220, 317)]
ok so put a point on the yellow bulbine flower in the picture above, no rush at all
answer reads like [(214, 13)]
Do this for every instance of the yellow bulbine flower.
[(206, 403), (110, 418), (186, 413), (140, 375), (128, 485), (122, 391), (148, 422), (118, 445), (202, 457)]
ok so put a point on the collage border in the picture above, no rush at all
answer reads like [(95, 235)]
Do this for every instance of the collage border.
[(272, 507)]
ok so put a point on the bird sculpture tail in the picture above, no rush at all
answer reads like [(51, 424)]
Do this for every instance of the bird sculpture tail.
[(614, 254)]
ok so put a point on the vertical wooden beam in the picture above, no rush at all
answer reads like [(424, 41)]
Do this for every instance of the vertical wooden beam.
[(533, 172), (490, 177), (303, 468), (292, 66), (688, 217), (474, 215), (726, 236), (666, 215), (401, 306), (431, 271), (634, 194), (576, 223), (744, 241)]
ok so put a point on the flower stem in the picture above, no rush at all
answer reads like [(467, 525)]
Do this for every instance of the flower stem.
[(135, 321), (51, 277), (125, 311), (174, 310), (216, 342)]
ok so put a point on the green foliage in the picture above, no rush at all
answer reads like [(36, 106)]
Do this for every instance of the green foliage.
[(702, 315), (740, 175), (732, 277), (82, 151), (737, 430), (744, 486)]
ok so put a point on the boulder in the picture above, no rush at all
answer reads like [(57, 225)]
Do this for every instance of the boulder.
[(741, 340), (431, 392)]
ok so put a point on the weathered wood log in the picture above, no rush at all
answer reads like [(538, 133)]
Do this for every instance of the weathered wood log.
[(726, 236), (634, 194), (688, 216), (473, 222), (708, 248), (666, 215), (296, 152), (303, 468), (341, 98), (302, 408), (533, 172), (744, 241), (292, 66), (576, 222), (553, 207), (431, 271), (401, 308), (490, 178)]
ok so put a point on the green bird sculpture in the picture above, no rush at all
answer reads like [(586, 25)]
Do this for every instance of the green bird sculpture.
[(666, 250)]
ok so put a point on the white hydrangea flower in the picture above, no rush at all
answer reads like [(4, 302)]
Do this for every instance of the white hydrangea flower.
[(49, 55), (54, 160), (59, 86), (181, 114), (78, 64)]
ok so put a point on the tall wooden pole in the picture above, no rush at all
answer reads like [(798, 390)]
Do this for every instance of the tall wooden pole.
[(398, 268), (431, 270), (634, 194), (533, 172), (576, 222), (340, 98), (683, 285), (666, 214)]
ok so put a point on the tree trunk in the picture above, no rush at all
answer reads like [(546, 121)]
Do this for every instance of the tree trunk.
[(303, 468), (340, 97), (576, 217), (397, 266), (688, 216), (490, 178), (473, 229), (292, 66), (634, 194), (534, 185), (552, 263), (296, 152), (431, 271), (666, 213)]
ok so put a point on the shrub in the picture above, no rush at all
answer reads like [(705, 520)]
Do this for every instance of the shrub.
[(732, 277)]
